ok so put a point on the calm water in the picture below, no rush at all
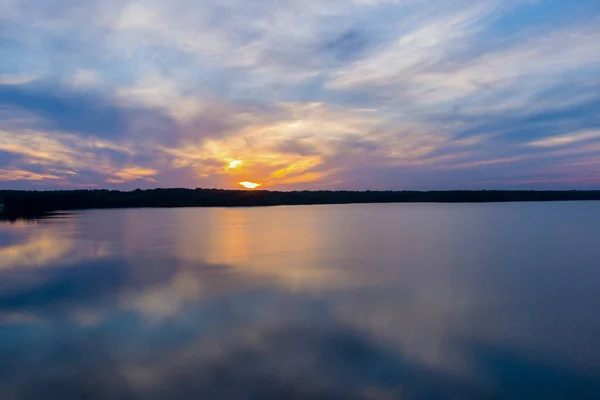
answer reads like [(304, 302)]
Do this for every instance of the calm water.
[(415, 301)]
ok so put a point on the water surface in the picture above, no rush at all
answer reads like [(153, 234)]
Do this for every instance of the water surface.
[(392, 301)]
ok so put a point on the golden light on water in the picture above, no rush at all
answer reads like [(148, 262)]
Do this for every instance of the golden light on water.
[(250, 185)]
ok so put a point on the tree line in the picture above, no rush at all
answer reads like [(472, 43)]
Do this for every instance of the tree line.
[(23, 203)]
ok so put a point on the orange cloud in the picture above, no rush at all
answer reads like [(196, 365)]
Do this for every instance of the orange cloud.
[(132, 174), (20, 175)]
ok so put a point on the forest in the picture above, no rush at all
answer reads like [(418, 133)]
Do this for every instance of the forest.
[(33, 203)]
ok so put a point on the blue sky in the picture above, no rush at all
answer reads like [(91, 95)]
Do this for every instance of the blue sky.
[(290, 94)]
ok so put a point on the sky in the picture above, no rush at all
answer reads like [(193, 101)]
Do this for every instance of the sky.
[(300, 94)]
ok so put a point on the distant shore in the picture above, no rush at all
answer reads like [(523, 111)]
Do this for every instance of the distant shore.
[(30, 203)]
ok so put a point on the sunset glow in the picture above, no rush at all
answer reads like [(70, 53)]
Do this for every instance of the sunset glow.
[(250, 185), (235, 164), (341, 94)]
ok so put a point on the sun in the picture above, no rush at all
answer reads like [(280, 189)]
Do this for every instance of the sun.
[(235, 164), (250, 185)]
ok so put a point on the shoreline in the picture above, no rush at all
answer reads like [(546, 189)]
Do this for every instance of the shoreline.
[(23, 204)]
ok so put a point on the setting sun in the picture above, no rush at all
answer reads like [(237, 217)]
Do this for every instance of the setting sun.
[(250, 185)]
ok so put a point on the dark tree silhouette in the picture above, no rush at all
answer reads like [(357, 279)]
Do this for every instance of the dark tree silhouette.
[(31, 203)]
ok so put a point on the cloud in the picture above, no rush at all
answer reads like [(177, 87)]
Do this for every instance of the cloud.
[(20, 175), (64, 157), (15, 80), (84, 78), (132, 174), (357, 87), (566, 139), (85, 113)]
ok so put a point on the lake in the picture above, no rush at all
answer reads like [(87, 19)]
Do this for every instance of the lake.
[(372, 301)]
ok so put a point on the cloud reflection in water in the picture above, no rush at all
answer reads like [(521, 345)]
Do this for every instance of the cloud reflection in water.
[(299, 302)]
